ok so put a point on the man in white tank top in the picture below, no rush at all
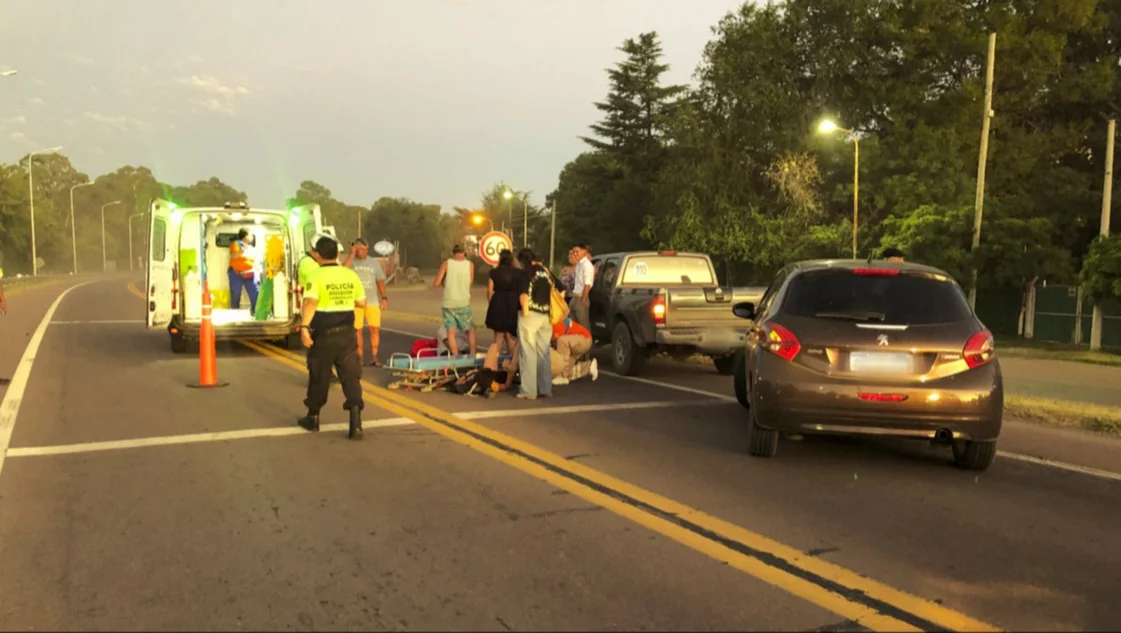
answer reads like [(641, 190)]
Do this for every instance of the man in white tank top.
[(457, 275)]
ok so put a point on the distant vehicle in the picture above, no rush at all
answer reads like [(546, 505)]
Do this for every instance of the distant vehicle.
[(869, 348), (664, 301), (177, 237)]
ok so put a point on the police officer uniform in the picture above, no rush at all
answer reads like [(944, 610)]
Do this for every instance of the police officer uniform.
[(337, 291)]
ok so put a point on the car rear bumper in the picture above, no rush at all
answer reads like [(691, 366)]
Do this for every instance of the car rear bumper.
[(969, 405), (259, 330), (711, 341)]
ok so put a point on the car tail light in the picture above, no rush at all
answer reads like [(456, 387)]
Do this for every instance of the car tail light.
[(658, 310), (979, 349), (884, 272), (882, 397), (782, 343)]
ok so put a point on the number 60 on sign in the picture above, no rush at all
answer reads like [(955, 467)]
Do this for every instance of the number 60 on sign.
[(492, 244)]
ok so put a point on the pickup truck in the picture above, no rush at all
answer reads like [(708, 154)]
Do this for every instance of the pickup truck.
[(647, 302)]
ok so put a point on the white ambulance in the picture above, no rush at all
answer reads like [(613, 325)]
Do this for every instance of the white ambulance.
[(181, 239)]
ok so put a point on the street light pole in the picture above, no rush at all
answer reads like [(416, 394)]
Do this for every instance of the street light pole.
[(73, 231), (130, 218), (982, 160), (1107, 207), (360, 222), (104, 266), (553, 236), (828, 127), (31, 204)]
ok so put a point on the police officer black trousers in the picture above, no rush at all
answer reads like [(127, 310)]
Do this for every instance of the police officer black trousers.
[(336, 347)]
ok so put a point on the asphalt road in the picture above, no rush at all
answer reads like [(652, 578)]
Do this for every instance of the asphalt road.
[(129, 502)]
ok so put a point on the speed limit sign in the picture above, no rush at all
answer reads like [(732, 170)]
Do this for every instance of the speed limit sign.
[(492, 244)]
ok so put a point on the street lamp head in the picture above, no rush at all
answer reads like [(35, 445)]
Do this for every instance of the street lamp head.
[(8, 73), (828, 126), (477, 219), (507, 194)]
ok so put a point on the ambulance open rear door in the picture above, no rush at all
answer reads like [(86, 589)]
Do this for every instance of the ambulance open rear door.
[(163, 248)]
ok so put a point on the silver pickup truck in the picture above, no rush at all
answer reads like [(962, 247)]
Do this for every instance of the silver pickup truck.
[(647, 302)]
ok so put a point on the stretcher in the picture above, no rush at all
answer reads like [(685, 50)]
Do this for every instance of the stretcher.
[(428, 372)]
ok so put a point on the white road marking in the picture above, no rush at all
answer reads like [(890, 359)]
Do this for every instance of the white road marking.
[(107, 322), (194, 438), (13, 396), (222, 436), (1074, 468)]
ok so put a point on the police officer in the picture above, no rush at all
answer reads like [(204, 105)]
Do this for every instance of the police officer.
[(306, 269), (334, 293)]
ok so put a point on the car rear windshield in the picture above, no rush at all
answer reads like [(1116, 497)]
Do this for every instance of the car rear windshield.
[(915, 299), (667, 270)]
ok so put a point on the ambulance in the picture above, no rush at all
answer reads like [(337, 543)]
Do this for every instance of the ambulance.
[(186, 243)]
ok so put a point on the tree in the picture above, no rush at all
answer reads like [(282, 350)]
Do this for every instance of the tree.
[(637, 110), (1101, 269), (425, 238)]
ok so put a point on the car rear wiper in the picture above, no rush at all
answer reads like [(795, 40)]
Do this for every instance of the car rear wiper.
[(855, 316)]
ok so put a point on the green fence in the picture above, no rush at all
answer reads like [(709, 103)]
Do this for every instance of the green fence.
[(1057, 313)]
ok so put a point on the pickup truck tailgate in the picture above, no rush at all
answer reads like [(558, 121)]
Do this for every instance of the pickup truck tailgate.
[(710, 307)]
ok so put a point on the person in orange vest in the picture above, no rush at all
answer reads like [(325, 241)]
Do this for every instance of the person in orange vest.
[(241, 271)]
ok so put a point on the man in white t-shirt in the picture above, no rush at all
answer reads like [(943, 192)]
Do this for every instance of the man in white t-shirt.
[(582, 280)]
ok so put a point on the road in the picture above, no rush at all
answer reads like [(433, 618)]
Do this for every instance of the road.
[(129, 501)]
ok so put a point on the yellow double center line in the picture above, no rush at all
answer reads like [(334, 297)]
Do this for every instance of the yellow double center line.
[(868, 603)]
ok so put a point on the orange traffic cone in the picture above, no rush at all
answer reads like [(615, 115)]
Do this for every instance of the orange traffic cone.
[(208, 356)]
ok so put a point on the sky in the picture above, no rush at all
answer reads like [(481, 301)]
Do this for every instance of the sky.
[(433, 100)]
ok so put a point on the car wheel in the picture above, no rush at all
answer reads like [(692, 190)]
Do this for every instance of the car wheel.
[(725, 365), (974, 454), (293, 342), (627, 358), (178, 343), (761, 442), (739, 378)]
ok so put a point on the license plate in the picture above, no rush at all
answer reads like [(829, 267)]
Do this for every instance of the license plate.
[(881, 362)]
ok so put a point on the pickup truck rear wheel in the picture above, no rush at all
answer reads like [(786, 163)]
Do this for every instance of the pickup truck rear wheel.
[(627, 358), (739, 378), (178, 343), (725, 365)]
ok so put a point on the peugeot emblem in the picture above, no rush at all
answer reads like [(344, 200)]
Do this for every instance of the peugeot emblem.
[(881, 340)]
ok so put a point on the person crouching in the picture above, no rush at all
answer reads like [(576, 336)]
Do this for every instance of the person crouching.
[(571, 341)]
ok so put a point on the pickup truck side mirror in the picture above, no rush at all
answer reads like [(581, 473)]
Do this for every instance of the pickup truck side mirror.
[(744, 310)]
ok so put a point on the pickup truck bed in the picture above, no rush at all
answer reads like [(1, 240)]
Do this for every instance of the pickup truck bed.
[(649, 302)]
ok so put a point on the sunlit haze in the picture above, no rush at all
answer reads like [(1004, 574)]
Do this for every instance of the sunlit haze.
[(430, 99)]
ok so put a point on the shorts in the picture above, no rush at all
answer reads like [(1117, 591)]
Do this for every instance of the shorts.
[(459, 318), (370, 315)]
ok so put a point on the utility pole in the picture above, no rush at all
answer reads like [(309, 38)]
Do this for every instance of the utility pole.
[(553, 237), (1107, 203), (982, 160)]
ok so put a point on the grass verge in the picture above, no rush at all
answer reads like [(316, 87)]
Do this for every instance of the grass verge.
[(1090, 417), (1042, 350)]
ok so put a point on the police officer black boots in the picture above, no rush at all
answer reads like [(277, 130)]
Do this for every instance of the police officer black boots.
[(309, 422), (355, 424)]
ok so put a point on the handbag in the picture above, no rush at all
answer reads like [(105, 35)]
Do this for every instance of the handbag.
[(558, 307)]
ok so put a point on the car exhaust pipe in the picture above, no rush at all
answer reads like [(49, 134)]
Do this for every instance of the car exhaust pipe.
[(943, 435)]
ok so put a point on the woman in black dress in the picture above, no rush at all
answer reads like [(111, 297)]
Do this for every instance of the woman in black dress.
[(502, 293)]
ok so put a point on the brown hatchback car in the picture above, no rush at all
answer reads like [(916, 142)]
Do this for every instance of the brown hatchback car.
[(860, 347)]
